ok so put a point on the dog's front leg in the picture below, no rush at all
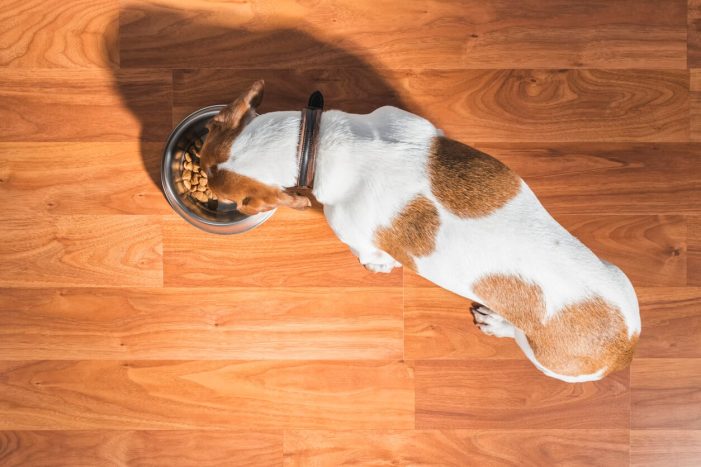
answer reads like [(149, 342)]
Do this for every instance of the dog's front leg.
[(350, 230), (375, 260)]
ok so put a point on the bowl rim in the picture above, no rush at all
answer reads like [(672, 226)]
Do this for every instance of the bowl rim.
[(245, 224)]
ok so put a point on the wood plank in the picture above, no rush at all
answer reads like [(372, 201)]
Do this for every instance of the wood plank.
[(205, 323), (671, 322), (72, 33), (663, 448), (67, 395), (84, 105), (153, 448), (480, 105), (665, 393), (529, 33), (651, 250), (695, 104), (694, 260), (438, 324), (555, 105), (293, 248), (513, 394), (694, 34), (101, 178), (81, 251), (602, 447), (639, 178)]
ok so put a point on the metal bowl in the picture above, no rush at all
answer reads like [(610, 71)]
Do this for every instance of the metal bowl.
[(214, 216)]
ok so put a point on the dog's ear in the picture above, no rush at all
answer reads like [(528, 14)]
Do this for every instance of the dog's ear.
[(233, 114), (254, 96), (251, 205)]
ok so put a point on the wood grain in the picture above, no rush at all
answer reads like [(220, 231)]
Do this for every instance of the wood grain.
[(554, 105), (141, 448), (695, 104), (694, 34), (202, 323), (46, 251), (639, 178), (510, 394), (438, 324), (70, 395), (662, 448), (671, 322), (694, 260), (70, 34), (84, 105), (288, 34), (666, 393), (92, 178), (651, 250), (293, 248), (602, 447)]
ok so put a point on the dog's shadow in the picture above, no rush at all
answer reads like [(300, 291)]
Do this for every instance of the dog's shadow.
[(215, 65)]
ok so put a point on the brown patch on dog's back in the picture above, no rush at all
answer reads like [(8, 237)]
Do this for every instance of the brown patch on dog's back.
[(412, 232), (579, 339), (467, 182)]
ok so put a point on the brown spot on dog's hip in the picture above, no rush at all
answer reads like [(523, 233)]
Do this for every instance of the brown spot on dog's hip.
[(578, 339), (412, 232), (467, 182)]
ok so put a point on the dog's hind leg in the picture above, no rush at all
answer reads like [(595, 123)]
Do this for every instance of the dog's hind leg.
[(492, 323)]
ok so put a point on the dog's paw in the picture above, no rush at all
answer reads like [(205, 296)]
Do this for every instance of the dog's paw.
[(381, 267), (491, 323), (377, 261)]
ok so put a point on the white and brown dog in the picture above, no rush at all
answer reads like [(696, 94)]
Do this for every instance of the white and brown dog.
[(398, 192)]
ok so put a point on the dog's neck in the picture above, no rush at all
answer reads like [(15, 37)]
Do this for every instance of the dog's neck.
[(266, 149), (351, 149)]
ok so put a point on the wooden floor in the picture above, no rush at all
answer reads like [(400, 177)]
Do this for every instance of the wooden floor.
[(129, 337)]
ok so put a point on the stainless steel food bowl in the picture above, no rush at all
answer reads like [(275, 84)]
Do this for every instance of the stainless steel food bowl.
[(214, 216)]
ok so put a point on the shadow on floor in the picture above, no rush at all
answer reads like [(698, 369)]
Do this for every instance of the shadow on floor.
[(215, 67)]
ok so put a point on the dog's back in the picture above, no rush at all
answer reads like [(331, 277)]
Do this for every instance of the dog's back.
[(575, 315), (466, 222)]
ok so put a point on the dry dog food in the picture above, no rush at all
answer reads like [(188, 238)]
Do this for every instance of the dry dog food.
[(193, 176)]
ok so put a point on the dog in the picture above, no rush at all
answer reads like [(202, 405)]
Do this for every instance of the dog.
[(400, 193)]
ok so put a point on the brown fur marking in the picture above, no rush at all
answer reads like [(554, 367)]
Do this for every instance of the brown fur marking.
[(223, 130), (252, 196), (467, 182), (412, 232), (579, 339)]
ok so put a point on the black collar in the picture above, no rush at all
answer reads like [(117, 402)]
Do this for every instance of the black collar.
[(309, 140)]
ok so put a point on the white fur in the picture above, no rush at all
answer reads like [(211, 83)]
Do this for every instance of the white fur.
[(370, 166)]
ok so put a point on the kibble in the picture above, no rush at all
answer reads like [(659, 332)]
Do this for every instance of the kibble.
[(193, 178)]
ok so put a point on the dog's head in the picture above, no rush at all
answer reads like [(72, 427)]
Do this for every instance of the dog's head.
[(250, 195)]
